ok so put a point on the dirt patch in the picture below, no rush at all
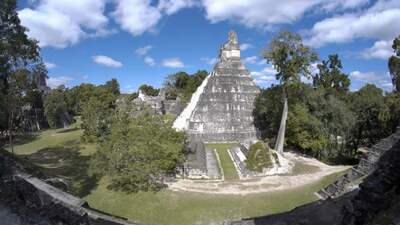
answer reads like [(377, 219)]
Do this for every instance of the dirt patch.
[(309, 170)]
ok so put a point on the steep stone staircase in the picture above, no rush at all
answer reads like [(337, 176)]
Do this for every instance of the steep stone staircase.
[(367, 164)]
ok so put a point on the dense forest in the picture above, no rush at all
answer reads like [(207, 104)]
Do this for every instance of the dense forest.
[(325, 119)]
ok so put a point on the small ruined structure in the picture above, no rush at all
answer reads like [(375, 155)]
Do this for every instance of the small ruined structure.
[(220, 110), (160, 103)]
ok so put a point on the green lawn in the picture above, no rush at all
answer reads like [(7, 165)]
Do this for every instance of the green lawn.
[(228, 168), (61, 153), (185, 208)]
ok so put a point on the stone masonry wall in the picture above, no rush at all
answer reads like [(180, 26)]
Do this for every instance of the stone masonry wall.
[(37, 203)]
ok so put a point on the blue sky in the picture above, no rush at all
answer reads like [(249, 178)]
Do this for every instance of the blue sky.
[(142, 41)]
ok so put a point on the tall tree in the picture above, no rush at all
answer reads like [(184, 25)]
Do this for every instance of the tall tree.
[(149, 90), (112, 86), (291, 59), (18, 55), (139, 152), (55, 108), (97, 110), (330, 75), (394, 64), (371, 116)]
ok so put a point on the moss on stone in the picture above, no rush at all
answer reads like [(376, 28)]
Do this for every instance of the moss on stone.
[(259, 157)]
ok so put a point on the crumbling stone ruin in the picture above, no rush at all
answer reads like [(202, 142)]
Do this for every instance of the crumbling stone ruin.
[(160, 104), (195, 166), (221, 108), (367, 165)]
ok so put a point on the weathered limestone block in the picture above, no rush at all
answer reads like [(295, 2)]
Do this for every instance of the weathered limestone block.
[(195, 166)]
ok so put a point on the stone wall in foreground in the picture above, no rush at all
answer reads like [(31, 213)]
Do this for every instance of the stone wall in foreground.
[(35, 202)]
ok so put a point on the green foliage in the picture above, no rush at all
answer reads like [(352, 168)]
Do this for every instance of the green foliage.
[(78, 96), (290, 57), (304, 130), (316, 121), (134, 95), (55, 108), (139, 152), (394, 64), (331, 77), (112, 86), (97, 110), (326, 125), (20, 69), (392, 101), (267, 111), (183, 85), (372, 116), (149, 90), (259, 157)]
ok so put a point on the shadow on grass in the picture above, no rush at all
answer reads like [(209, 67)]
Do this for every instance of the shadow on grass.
[(21, 139), (68, 164), (68, 130)]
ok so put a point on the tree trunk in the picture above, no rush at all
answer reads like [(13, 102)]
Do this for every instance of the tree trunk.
[(10, 128), (281, 133)]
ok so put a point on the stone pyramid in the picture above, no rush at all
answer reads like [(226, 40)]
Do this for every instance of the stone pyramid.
[(221, 108)]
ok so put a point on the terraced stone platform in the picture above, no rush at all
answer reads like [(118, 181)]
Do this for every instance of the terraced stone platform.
[(222, 112)]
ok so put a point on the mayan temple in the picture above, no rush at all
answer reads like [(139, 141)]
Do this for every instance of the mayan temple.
[(221, 108)]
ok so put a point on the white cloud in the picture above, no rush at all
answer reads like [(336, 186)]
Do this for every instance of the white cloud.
[(383, 81), (364, 76), (246, 46), (128, 89), (102, 33), (343, 4), (380, 50), (266, 13), (50, 65), (54, 82), (386, 85), (173, 63), (314, 68), (143, 50), (256, 13), (172, 6), (106, 61), (210, 61), (250, 60), (266, 74), (378, 22), (149, 61), (267, 78), (307, 80), (136, 16), (59, 23), (85, 77)]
